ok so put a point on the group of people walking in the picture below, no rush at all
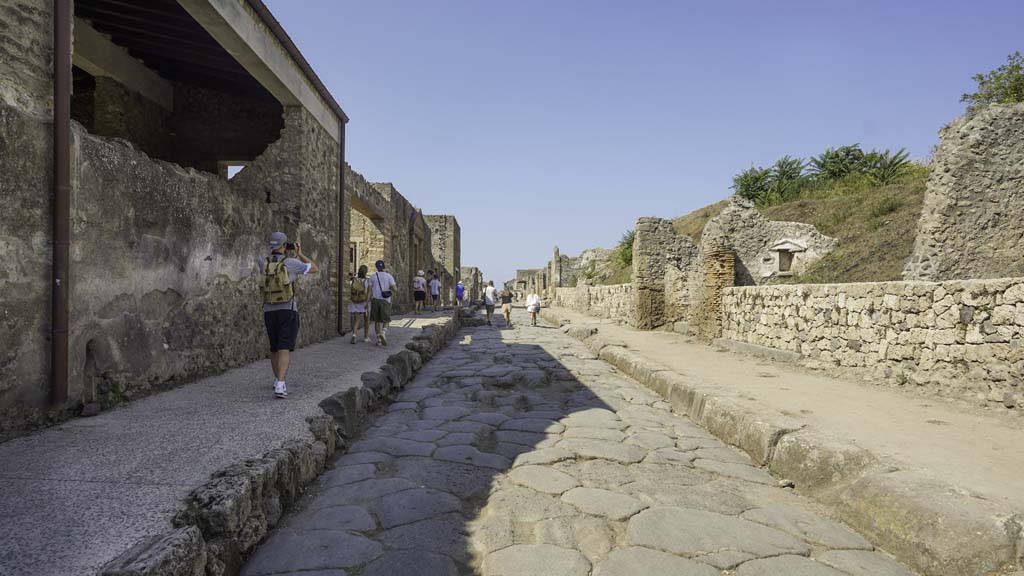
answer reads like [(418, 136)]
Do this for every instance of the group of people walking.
[(370, 300)]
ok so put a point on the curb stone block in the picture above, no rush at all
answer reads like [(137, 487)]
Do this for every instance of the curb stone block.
[(933, 529), (756, 432), (180, 552), (818, 464)]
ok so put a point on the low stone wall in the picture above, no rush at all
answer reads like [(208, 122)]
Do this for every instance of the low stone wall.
[(962, 337), (614, 302)]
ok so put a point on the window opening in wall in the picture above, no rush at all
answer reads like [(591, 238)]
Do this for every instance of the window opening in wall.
[(230, 168), (785, 261), (353, 266)]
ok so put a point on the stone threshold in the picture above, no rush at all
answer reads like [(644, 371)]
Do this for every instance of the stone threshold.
[(225, 519), (935, 528)]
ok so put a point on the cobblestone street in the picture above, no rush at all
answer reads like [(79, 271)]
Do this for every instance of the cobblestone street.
[(517, 452)]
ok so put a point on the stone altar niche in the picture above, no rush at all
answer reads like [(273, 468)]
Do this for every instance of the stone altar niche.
[(784, 258)]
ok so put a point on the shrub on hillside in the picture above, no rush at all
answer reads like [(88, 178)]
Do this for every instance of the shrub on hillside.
[(752, 183), (884, 167), (838, 163), (1004, 85), (624, 251)]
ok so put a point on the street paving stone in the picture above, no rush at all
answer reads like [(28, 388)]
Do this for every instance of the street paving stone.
[(569, 470)]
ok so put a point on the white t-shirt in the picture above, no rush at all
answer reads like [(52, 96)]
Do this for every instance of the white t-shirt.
[(490, 295), (533, 300), (419, 284), (382, 282), (435, 286)]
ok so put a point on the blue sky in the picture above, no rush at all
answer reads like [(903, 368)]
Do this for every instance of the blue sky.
[(561, 122)]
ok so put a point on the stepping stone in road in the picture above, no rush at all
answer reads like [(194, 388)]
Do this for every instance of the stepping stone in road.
[(543, 479), (788, 565), (604, 503), (535, 559), (691, 532), (637, 561)]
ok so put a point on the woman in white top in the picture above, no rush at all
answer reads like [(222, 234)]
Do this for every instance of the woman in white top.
[(533, 306), (419, 291)]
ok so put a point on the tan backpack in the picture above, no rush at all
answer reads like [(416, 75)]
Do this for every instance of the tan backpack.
[(277, 286), (358, 291)]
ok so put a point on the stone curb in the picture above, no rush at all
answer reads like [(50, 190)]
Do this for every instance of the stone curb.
[(930, 526), (226, 518)]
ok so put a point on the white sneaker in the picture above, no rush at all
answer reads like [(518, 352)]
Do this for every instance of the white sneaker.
[(366, 339), (280, 390)]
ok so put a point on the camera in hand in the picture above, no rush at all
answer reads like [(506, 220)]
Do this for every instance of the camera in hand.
[(289, 246)]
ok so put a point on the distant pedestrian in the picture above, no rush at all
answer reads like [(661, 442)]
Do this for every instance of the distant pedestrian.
[(490, 298), (460, 293), (357, 308), (419, 292), (280, 310), (382, 288), (506, 306), (533, 306), (435, 291)]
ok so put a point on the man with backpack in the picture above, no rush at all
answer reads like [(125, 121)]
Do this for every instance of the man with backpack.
[(280, 310), (382, 287)]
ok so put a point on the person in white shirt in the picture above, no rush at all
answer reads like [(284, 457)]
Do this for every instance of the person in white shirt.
[(419, 291), (490, 298), (358, 304), (382, 286), (533, 306), (435, 291)]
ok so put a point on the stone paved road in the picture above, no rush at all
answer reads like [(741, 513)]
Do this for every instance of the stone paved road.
[(517, 452)]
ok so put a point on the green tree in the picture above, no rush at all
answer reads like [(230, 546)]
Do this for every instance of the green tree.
[(624, 251), (785, 180), (885, 167), (835, 164), (1004, 85), (753, 183)]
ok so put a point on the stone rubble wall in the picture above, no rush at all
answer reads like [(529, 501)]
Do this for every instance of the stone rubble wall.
[(962, 338), (473, 280), (661, 259), (972, 222), (446, 247), (614, 302)]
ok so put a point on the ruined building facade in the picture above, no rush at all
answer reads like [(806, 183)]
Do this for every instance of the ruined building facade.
[(182, 161), (445, 246)]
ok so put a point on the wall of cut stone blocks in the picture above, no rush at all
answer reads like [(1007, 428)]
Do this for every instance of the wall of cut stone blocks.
[(961, 338), (614, 302), (661, 259), (446, 245)]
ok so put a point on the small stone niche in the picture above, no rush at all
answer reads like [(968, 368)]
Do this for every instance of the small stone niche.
[(785, 256)]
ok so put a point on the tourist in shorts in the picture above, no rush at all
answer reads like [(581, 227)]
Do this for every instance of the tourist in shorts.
[(533, 306), (490, 298), (419, 292), (435, 291), (460, 293), (359, 300), (382, 289), (282, 318), (506, 306)]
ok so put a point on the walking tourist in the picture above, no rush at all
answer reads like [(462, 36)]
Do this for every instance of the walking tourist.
[(419, 292), (490, 298), (506, 306), (280, 310), (382, 288), (460, 293), (435, 291), (533, 306), (359, 298)]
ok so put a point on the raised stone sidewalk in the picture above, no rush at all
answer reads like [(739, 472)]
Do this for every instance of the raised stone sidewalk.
[(79, 495), (939, 486)]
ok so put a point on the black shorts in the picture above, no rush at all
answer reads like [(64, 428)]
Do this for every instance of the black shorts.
[(419, 296), (282, 328), (436, 297)]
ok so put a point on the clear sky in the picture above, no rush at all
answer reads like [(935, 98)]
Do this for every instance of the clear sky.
[(543, 122)]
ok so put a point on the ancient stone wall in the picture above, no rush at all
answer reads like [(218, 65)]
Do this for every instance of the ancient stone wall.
[(661, 258), (960, 338), (26, 56), (163, 280), (445, 245), (972, 222), (472, 279), (408, 238), (614, 302)]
